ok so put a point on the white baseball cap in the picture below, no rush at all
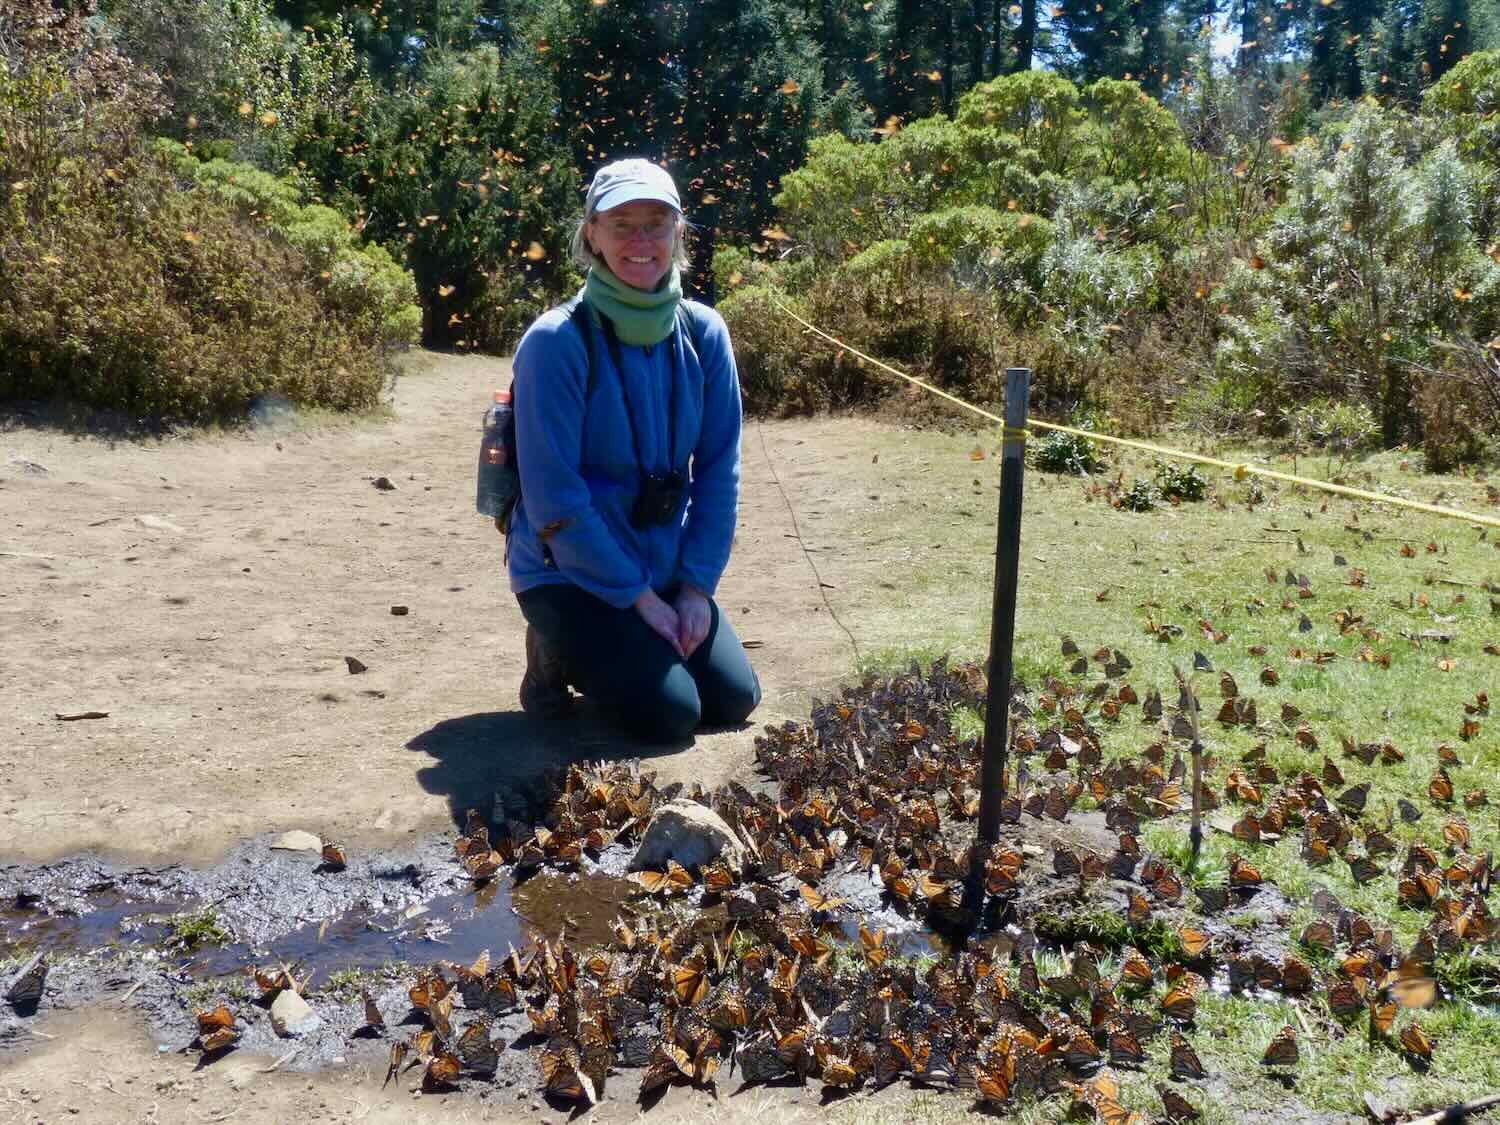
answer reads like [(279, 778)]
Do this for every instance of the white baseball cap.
[(629, 181)]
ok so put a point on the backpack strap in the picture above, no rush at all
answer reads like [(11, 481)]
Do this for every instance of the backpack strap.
[(580, 316)]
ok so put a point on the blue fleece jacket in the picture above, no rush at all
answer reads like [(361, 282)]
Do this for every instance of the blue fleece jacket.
[(579, 475)]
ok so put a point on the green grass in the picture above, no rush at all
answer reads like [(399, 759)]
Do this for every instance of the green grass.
[(187, 932), (1101, 576)]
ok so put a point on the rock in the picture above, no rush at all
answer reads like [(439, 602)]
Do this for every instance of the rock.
[(385, 484), (355, 665), (297, 841), (690, 833), (29, 467), (291, 1015), (399, 611), (24, 988), (157, 523)]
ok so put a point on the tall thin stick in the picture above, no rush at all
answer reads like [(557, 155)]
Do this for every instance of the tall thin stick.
[(1003, 609), (1190, 706)]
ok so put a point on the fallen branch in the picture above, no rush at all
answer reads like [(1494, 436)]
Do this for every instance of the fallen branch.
[(1459, 1111)]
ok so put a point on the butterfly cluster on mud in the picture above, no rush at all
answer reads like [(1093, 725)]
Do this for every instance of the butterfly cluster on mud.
[(772, 971)]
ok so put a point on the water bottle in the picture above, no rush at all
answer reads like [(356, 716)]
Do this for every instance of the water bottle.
[(498, 481)]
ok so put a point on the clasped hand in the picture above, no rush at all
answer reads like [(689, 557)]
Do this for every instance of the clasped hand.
[(683, 624)]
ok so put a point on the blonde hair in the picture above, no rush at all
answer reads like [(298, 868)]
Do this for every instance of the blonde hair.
[(584, 257)]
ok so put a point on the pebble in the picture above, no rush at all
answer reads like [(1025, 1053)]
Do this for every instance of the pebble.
[(297, 841), (291, 1015), (385, 484), (399, 610)]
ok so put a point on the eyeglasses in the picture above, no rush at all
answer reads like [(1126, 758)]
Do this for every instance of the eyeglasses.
[(654, 230)]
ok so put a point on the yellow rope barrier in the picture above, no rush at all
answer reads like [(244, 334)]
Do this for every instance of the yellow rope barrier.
[(1241, 469)]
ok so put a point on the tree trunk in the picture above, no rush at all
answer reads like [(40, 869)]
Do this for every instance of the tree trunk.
[(1025, 36)]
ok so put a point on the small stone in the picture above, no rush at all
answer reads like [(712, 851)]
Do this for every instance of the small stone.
[(158, 523), (385, 484), (291, 1015), (297, 841), (690, 833), (399, 610), (356, 665), (30, 468)]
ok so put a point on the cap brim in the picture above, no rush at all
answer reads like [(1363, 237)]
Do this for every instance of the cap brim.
[(633, 193)]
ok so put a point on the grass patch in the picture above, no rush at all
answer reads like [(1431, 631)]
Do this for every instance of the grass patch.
[(186, 932), (1389, 643)]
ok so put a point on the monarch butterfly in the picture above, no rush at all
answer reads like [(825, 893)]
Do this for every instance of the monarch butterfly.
[(1185, 1061), (1138, 912), (1242, 873), (1282, 1050), (1319, 935), (1346, 997), (1181, 1004), (442, 1072), (675, 880), (1456, 834), (1413, 992), (1440, 788), (816, 901), (399, 1051), (1135, 971), (1194, 942), (561, 1076), (475, 1050), (1414, 1041), (1382, 1019), (334, 858), (1364, 869), (1176, 1108), (1125, 1049), (1296, 975), (1352, 800)]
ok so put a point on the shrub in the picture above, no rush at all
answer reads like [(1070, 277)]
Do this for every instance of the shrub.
[(1057, 452), (1142, 496), (1179, 482), (124, 291), (361, 281)]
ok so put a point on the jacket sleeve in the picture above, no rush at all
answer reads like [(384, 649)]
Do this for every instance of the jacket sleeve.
[(551, 368), (714, 494)]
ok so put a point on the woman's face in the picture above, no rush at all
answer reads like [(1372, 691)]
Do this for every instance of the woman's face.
[(635, 240)]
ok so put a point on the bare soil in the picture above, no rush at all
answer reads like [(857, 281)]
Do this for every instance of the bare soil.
[(204, 591)]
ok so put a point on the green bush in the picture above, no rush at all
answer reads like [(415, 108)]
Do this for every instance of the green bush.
[(126, 290), (361, 281), (1142, 496), (1177, 482), (1057, 452)]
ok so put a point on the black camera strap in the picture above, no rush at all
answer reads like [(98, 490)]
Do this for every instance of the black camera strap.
[(617, 358)]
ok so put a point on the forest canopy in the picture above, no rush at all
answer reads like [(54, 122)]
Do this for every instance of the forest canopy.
[(1248, 216)]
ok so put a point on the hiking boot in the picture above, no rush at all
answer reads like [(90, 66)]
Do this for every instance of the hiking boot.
[(544, 687)]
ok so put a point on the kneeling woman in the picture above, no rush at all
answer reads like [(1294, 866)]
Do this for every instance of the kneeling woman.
[(628, 443)]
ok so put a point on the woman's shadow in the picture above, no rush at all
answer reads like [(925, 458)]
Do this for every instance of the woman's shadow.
[(498, 762)]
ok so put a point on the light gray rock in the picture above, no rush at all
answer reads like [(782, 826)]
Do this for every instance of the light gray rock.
[(690, 833), (291, 1015), (296, 841), (159, 523)]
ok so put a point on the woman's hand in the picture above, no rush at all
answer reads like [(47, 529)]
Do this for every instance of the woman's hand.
[(662, 618), (693, 620)]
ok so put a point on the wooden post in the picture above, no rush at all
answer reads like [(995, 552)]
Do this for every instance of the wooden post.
[(1003, 611)]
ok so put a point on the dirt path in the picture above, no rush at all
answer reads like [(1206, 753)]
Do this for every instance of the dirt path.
[(205, 594)]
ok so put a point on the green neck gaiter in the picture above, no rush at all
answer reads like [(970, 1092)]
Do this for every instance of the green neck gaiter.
[(639, 318)]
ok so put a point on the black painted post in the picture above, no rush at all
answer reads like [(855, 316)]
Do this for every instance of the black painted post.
[(1003, 613)]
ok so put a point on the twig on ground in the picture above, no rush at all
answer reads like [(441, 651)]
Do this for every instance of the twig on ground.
[(131, 991), (1459, 1111)]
